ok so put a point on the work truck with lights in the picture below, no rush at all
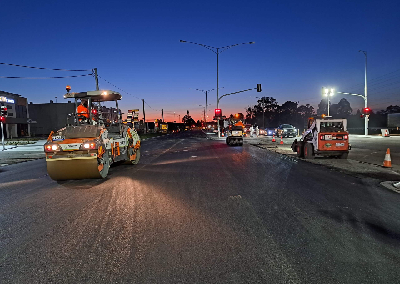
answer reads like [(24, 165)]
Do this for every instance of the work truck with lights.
[(324, 137), (91, 142)]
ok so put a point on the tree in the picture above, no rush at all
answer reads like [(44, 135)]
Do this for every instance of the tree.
[(250, 115), (287, 113), (270, 106), (322, 107), (303, 113), (342, 109), (393, 109), (188, 120)]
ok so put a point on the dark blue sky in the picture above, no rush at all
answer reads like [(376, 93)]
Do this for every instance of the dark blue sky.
[(300, 47)]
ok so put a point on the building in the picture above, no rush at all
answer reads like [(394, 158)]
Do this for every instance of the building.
[(49, 117), (54, 116), (17, 121)]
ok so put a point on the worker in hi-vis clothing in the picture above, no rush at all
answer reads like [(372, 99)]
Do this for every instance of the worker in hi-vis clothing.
[(82, 109)]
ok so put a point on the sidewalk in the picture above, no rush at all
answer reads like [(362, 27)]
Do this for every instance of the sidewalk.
[(21, 153)]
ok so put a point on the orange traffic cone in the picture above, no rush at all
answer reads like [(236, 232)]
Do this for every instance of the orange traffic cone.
[(281, 141), (387, 162), (273, 138)]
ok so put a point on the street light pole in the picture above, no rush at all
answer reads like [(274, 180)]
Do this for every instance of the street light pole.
[(217, 51), (365, 94), (328, 94), (217, 77)]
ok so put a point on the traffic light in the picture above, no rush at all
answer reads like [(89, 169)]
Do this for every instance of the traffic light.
[(3, 111), (218, 112), (366, 111), (2, 119), (258, 87)]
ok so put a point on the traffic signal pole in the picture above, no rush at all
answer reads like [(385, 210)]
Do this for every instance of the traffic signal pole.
[(2, 136), (258, 88), (366, 96)]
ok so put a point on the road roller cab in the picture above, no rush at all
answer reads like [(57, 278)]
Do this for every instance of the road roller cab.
[(88, 145)]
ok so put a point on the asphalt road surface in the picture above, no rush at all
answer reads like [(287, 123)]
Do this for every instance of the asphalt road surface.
[(197, 211)]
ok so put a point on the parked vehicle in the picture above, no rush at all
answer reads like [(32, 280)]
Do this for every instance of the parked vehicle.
[(270, 131), (246, 130), (286, 130)]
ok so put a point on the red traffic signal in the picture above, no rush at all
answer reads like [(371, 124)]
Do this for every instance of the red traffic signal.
[(3, 111), (218, 112), (94, 111), (2, 119), (366, 110)]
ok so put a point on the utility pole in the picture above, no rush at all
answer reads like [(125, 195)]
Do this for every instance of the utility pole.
[(205, 118), (144, 119), (179, 118), (96, 78), (162, 114)]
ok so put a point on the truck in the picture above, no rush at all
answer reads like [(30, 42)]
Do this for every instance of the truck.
[(324, 137)]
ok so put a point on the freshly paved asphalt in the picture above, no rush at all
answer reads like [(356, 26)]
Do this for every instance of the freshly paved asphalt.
[(197, 211)]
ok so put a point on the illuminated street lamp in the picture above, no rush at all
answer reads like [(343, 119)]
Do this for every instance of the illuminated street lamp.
[(328, 92)]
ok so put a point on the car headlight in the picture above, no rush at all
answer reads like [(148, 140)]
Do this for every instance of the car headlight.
[(284, 130)]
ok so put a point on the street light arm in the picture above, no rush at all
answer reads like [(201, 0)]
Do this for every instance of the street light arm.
[(352, 94), (203, 45), (235, 93), (230, 46)]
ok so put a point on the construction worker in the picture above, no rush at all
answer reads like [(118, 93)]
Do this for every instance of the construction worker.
[(82, 109)]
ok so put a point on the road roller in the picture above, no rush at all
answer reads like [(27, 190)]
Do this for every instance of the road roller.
[(92, 140)]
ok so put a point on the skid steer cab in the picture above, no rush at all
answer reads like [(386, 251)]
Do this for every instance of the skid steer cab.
[(324, 137)]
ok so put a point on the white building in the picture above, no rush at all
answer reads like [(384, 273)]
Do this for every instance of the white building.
[(17, 121)]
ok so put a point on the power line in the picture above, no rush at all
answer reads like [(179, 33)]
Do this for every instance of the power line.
[(118, 87), (75, 76), (150, 106), (43, 68)]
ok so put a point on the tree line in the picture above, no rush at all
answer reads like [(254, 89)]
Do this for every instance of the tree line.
[(268, 112)]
